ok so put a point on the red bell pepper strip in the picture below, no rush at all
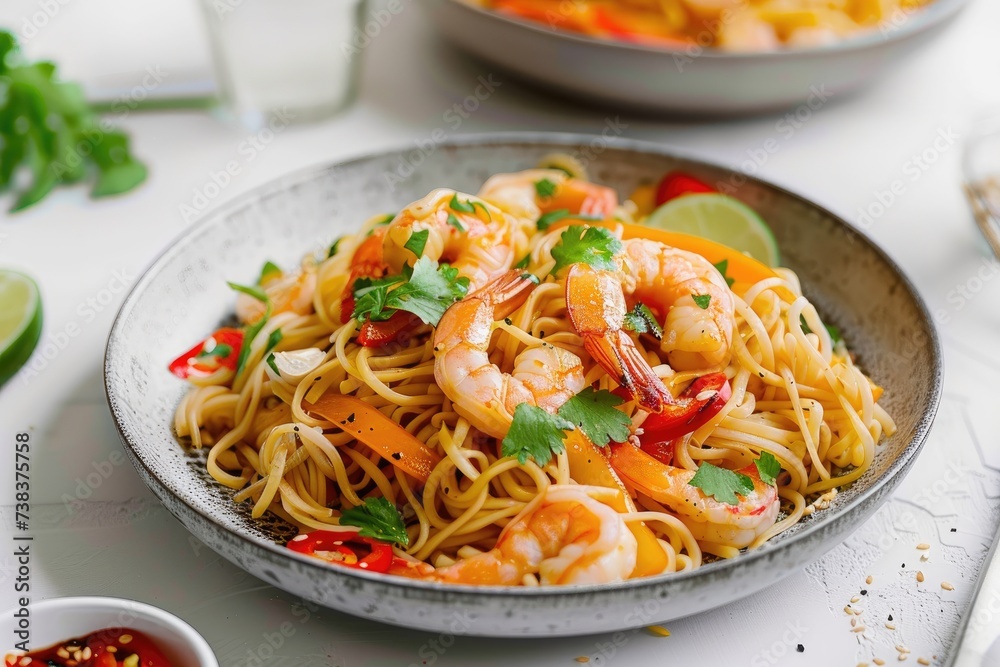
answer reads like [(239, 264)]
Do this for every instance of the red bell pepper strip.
[(676, 183), (346, 548), (702, 400), (377, 334), (220, 350)]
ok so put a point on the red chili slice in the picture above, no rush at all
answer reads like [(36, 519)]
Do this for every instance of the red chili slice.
[(126, 643), (688, 414), (346, 548), (220, 350), (677, 183)]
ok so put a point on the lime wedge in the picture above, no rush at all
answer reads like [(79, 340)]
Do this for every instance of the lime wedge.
[(20, 321), (719, 218)]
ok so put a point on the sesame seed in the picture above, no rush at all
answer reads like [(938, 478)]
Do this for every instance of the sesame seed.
[(923, 661), (125, 639), (890, 626), (860, 628), (111, 649), (848, 610), (363, 565), (855, 599), (854, 622), (948, 587), (869, 579), (878, 661), (858, 612), (63, 653), (87, 653), (901, 657), (924, 558), (923, 546), (131, 661), (902, 649), (862, 664), (583, 659), (920, 576), (77, 655), (658, 630)]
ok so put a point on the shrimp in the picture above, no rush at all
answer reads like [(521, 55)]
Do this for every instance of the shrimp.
[(708, 519), (481, 244), (286, 292), (543, 375), (565, 536), (520, 195), (685, 287)]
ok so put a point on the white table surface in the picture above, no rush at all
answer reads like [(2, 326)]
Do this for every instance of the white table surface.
[(120, 541)]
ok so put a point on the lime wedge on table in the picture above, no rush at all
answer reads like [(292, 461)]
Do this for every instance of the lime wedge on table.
[(20, 321), (719, 218)]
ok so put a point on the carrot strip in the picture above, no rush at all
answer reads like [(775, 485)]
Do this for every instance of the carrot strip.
[(372, 428)]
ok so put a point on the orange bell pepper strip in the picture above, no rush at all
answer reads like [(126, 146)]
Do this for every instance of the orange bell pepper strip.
[(589, 465), (367, 423)]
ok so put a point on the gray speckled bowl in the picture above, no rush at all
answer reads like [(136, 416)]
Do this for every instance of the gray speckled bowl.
[(184, 295), (693, 80)]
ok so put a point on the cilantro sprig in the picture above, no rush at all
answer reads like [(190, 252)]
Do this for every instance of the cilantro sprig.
[(48, 129), (767, 467), (426, 292), (595, 246), (537, 434), (642, 320), (702, 300), (379, 519), (724, 485), (545, 188)]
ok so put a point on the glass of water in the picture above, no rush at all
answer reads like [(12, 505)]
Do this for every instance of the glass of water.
[(289, 60)]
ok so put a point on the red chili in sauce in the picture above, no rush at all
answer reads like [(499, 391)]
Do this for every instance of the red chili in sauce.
[(113, 647)]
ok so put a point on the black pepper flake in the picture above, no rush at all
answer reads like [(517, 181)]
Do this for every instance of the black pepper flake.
[(954, 530), (800, 648), (350, 418), (295, 428), (903, 565), (398, 456), (890, 617)]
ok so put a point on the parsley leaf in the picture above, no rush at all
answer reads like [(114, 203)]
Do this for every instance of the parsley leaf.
[(427, 293), (595, 414), (722, 267), (523, 264), (767, 467), (534, 434), (721, 483), (546, 220), (417, 241), (269, 269), (642, 320), (545, 188), (596, 246), (455, 222), (461, 206), (702, 300), (255, 292), (379, 519)]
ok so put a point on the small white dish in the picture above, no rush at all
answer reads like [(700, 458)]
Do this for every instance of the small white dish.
[(57, 619)]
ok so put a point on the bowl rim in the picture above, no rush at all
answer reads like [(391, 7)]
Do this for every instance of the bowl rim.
[(898, 467), (184, 630), (938, 11)]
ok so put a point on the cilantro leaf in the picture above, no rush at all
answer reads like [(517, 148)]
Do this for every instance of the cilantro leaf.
[(534, 434), (595, 246), (461, 206), (379, 519), (595, 414), (426, 292), (455, 222), (642, 320), (721, 483), (523, 264), (702, 300), (417, 241), (546, 220), (767, 467), (269, 269), (545, 188), (255, 292), (722, 267)]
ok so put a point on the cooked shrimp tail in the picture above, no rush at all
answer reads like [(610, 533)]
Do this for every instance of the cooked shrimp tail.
[(596, 307)]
